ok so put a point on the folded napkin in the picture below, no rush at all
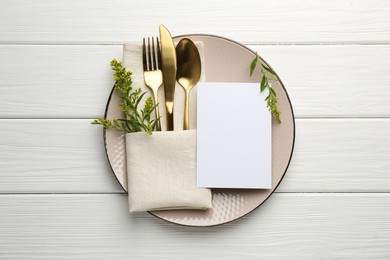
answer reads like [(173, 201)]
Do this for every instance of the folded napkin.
[(161, 168), (162, 172)]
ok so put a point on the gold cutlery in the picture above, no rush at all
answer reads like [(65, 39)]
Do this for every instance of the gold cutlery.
[(151, 59), (188, 71), (168, 58)]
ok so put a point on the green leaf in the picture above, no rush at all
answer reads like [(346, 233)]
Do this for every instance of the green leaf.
[(263, 83), (139, 100), (272, 91), (127, 100), (96, 122), (149, 112), (269, 70), (253, 65)]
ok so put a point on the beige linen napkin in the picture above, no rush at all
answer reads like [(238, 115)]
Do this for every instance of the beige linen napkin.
[(162, 172), (161, 168)]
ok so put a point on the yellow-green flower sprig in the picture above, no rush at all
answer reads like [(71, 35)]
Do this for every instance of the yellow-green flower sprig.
[(137, 120)]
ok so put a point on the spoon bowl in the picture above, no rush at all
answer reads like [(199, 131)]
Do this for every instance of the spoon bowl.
[(188, 71)]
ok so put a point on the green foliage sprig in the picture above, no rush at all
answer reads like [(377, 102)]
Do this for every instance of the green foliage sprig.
[(137, 120), (265, 84)]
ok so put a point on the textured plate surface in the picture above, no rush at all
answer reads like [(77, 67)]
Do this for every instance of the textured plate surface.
[(225, 61)]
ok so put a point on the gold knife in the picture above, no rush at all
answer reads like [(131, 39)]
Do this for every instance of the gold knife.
[(169, 66)]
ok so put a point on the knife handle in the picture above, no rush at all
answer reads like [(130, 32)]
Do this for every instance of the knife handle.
[(169, 107)]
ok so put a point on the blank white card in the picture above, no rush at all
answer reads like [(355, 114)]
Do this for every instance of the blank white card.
[(234, 136)]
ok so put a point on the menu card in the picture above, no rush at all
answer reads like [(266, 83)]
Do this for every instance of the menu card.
[(234, 136)]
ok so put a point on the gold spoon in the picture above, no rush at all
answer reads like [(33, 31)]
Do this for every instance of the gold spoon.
[(188, 71)]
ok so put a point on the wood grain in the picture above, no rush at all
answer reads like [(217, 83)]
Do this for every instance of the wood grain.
[(55, 81), (288, 226), (282, 21), (334, 59), (53, 156), (67, 156), (334, 81), (74, 81)]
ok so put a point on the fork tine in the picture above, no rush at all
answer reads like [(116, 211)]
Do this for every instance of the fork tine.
[(154, 57), (144, 62), (150, 56), (158, 55)]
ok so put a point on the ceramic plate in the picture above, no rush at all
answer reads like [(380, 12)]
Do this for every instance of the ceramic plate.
[(225, 61)]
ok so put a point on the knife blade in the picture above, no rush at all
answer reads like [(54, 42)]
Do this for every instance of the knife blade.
[(169, 67)]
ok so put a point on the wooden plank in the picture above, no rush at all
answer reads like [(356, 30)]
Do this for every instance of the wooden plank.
[(340, 155), (334, 81), (288, 226), (53, 156), (74, 81), (67, 156), (55, 81), (282, 21)]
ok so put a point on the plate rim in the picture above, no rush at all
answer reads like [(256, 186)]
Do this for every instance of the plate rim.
[(289, 160)]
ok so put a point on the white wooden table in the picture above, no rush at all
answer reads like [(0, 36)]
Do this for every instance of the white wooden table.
[(58, 197)]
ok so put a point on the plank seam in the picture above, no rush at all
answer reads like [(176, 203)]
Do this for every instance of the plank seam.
[(122, 193), (243, 42), (296, 117)]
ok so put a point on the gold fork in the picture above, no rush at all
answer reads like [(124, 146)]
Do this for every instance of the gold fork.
[(151, 58)]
